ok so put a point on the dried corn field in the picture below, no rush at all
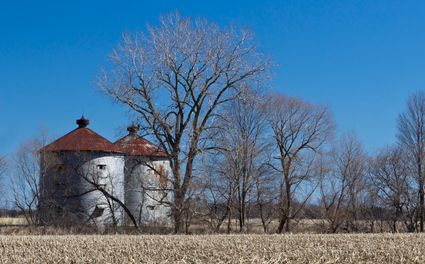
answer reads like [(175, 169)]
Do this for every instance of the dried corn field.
[(388, 248), (13, 221)]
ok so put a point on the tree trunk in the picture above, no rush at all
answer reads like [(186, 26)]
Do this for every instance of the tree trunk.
[(177, 209), (263, 220), (282, 222), (178, 213), (288, 207), (229, 222), (242, 212)]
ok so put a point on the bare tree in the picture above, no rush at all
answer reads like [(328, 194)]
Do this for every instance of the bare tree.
[(219, 191), (175, 79), (25, 177), (300, 130), (333, 200), (370, 210), (411, 135), (341, 189), (266, 200), (245, 147), (239, 165), (390, 174)]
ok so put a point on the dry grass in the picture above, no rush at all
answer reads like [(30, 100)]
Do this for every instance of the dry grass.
[(13, 221), (386, 248)]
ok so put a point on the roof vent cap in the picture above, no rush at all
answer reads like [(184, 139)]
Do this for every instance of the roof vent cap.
[(133, 129), (83, 122)]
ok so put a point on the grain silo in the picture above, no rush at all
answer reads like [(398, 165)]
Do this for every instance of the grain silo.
[(146, 179), (74, 168)]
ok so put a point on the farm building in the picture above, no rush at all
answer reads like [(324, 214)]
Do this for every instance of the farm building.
[(84, 178)]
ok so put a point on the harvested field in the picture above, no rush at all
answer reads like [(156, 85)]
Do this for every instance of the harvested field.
[(13, 221), (386, 248)]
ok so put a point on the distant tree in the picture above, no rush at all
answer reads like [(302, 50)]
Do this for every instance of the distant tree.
[(371, 211), (242, 162), (26, 175), (266, 193), (300, 130), (411, 135), (219, 190), (353, 165), (341, 188), (390, 174), (176, 79)]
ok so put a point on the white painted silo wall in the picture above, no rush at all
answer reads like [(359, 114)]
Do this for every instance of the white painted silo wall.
[(108, 172), (72, 189), (143, 194)]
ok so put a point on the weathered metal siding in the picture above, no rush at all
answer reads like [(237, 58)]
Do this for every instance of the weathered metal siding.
[(67, 196), (112, 180), (145, 197)]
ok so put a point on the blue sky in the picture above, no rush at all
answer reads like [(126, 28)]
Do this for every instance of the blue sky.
[(361, 58)]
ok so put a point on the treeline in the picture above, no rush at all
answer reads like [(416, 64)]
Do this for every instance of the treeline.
[(239, 154), (281, 164)]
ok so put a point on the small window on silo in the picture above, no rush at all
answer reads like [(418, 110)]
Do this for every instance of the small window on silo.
[(101, 167), (150, 207), (97, 212)]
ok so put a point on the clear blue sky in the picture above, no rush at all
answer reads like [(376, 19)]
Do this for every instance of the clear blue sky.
[(361, 58)]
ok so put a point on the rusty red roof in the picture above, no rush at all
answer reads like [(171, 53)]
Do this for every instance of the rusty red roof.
[(134, 145), (82, 139)]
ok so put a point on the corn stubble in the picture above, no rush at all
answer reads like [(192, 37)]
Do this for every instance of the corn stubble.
[(386, 248)]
